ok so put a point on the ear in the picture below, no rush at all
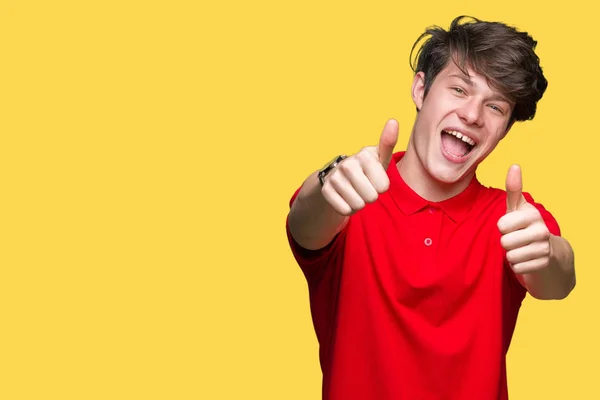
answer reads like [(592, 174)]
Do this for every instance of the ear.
[(418, 89)]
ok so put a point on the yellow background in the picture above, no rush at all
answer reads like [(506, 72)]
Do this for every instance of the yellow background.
[(148, 153)]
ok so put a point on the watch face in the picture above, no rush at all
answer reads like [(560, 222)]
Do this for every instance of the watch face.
[(334, 159), (328, 167)]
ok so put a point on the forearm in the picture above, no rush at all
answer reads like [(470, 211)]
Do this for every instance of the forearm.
[(558, 279), (313, 222)]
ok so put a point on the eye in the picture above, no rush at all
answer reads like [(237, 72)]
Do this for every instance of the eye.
[(458, 90), (496, 108)]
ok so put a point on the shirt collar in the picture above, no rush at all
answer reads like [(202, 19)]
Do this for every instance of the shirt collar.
[(410, 202)]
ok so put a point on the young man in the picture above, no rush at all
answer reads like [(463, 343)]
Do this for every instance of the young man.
[(417, 271)]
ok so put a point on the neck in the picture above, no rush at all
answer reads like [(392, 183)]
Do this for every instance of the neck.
[(416, 176)]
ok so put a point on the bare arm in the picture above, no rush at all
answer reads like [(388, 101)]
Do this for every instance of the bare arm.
[(319, 213), (557, 280), (313, 221)]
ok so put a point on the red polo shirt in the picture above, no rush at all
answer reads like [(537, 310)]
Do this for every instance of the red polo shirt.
[(414, 300)]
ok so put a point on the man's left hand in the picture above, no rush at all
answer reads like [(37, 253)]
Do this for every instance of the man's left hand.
[(525, 236)]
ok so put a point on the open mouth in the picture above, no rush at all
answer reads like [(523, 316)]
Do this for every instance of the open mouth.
[(456, 143)]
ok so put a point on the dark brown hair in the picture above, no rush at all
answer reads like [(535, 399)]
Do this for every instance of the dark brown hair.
[(504, 55)]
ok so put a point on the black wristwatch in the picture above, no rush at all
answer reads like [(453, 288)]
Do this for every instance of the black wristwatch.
[(329, 167)]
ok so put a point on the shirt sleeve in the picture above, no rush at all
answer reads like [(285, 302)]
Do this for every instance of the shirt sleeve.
[(313, 261), (551, 222)]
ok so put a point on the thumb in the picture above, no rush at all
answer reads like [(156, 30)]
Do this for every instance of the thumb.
[(514, 188), (387, 142)]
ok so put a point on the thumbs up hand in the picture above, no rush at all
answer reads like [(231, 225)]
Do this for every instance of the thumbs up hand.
[(525, 236), (362, 177)]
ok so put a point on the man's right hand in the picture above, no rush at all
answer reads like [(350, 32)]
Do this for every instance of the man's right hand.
[(362, 177)]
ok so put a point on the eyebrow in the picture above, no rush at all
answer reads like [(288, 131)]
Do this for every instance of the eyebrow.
[(465, 78), (468, 81)]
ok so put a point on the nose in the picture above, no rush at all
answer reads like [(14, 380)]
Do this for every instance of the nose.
[(471, 112)]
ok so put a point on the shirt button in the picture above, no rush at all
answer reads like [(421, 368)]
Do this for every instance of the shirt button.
[(428, 242), (431, 210)]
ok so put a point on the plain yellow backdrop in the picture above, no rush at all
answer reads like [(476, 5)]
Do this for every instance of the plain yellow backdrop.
[(148, 153)]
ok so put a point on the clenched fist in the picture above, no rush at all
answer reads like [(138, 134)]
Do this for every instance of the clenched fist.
[(360, 178)]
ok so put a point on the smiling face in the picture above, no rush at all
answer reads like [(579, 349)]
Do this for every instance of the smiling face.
[(460, 121)]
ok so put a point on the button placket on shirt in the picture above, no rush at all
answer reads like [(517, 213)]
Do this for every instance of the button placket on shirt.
[(428, 240)]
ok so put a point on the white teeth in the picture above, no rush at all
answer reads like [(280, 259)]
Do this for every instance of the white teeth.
[(461, 136)]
